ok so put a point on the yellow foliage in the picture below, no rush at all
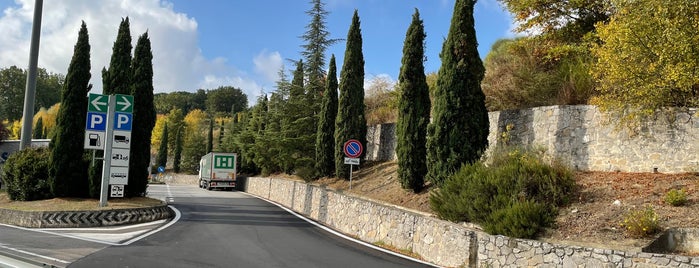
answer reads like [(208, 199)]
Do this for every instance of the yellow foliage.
[(157, 133), (648, 59)]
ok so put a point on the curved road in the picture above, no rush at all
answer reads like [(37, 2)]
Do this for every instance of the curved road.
[(231, 229)]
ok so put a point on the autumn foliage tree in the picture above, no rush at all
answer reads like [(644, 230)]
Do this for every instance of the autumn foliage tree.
[(648, 59)]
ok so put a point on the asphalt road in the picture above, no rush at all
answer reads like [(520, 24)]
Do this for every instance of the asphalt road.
[(231, 229)]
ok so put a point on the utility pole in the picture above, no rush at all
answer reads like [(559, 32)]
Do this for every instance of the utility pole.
[(30, 91)]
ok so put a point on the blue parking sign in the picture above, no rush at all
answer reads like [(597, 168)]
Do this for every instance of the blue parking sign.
[(96, 121), (122, 121)]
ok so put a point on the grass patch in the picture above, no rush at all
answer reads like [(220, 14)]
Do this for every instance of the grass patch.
[(75, 204)]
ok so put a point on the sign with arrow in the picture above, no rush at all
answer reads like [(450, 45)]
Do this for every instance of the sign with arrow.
[(124, 103), (97, 103)]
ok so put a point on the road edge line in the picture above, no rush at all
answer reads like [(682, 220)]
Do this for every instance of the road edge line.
[(178, 215), (33, 255), (341, 235)]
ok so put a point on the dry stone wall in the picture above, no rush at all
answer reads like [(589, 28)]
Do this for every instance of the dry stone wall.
[(441, 242), (583, 137)]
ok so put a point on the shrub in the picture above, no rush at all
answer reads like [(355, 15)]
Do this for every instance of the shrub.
[(516, 180), (521, 219), (641, 222), (26, 175), (676, 197)]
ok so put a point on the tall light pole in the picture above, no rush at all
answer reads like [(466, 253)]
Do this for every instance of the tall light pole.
[(30, 92)]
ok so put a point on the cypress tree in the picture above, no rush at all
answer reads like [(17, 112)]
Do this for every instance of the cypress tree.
[(177, 151), (38, 129), (458, 133), (325, 137), (350, 122), (116, 79), (413, 109), (221, 130), (161, 158), (143, 117), (67, 172)]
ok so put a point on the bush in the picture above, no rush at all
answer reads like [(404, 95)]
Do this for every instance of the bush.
[(676, 197), (26, 174), (641, 222), (515, 180), (521, 219)]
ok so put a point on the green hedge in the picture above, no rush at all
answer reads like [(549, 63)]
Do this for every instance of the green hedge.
[(516, 195), (26, 175)]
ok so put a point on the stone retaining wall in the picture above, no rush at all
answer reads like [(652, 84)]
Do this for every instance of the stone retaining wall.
[(440, 242), (80, 219), (582, 137)]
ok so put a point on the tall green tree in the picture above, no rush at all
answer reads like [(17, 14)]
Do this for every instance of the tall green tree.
[(317, 40), (299, 128), (325, 137), (38, 129), (648, 59), (458, 133), (67, 172), (175, 122), (350, 122), (177, 154), (413, 109), (116, 79), (161, 158), (143, 117), (210, 137)]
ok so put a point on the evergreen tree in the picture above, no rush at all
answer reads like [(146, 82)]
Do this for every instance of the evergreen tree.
[(350, 122), (67, 171), (161, 159), (317, 42), (143, 117), (458, 133), (38, 129), (298, 128), (116, 79), (413, 109), (210, 137), (177, 151), (221, 130), (325, 137)]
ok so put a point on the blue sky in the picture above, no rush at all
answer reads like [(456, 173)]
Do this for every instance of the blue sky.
[(241, 43)]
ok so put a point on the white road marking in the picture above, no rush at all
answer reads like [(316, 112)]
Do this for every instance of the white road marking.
[(33, 254)]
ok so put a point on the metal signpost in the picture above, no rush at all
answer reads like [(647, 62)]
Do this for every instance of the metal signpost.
[(353, 149), (108, 128)]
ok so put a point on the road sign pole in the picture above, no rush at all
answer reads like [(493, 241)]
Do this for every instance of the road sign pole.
[(107, 160), (351, 177)]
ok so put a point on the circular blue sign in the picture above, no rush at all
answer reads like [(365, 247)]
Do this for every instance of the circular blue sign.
[(161, 169)]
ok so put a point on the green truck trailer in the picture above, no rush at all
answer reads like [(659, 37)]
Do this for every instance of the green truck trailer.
[(218, 170)]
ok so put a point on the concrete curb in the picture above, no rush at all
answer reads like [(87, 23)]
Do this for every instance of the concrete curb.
[(82, 219)]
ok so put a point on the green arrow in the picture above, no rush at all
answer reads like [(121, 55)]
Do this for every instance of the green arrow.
[(124, 103), (95, 104)]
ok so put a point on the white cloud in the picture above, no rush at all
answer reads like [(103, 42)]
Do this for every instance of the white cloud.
[(268, 64), (178, 63)]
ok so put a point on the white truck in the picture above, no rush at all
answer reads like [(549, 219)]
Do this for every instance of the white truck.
[(218, 170)]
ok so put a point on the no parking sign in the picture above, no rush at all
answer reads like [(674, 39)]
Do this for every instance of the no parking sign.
[(353, 148)]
